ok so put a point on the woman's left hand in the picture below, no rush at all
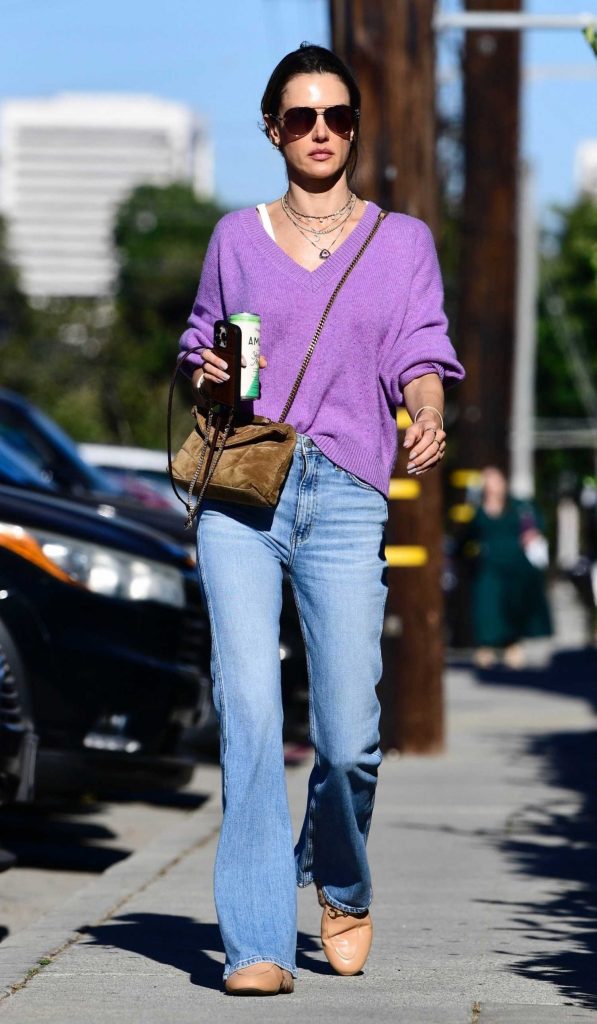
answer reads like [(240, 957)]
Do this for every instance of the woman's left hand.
[(427, 442)]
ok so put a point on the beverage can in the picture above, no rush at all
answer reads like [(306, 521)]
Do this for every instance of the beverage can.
[(250, 325)]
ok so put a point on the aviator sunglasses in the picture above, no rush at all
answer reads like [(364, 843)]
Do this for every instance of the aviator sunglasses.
[(299, 121)]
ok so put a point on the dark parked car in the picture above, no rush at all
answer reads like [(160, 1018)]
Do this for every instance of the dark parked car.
[(104, 638), (33, 436)]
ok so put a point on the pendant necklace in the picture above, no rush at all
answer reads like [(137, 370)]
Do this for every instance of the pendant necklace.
[(324, 253)]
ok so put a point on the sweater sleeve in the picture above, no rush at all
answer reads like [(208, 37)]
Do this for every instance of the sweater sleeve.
[(207, 307), (422, 344)]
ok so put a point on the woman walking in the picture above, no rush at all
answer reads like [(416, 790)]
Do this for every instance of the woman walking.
[(509, 602), (383, 344)]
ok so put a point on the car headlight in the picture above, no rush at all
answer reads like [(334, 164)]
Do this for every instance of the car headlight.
[(101, 570)]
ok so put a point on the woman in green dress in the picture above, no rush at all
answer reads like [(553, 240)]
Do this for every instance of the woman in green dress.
[(509, 599)]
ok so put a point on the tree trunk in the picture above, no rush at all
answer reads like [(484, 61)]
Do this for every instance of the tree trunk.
[(487, 296), (390, 47)]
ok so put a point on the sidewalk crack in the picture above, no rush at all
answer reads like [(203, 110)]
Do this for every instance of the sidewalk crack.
[(81, 931)]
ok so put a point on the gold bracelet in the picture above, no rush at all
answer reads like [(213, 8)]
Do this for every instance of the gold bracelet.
[(434, 409)]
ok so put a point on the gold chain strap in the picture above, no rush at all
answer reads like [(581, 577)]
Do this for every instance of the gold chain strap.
[(192, 510), (320, 326), (200, 462)]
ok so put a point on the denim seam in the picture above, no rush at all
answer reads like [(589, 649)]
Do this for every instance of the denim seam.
[(223, 714), (382, 615), (300, 536), (260, 960), (360, 483), (293, 533), (380, 635), (312, 502), (307, 876)]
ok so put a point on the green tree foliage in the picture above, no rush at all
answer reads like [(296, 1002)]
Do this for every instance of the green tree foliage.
[(567, 316), (161, 236), (54, 363), (14, 311), (568, 307), (102, 367)]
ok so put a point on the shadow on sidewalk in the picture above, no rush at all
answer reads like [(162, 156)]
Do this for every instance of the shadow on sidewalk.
[(181, 942), (54, 839), (571, 673), (184, 943), (552, 842)]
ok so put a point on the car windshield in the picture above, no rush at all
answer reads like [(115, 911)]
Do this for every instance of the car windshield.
[(31, 434), (18, 469)]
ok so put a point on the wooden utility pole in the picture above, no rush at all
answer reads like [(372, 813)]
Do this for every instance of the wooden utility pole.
[(389, 45), (486, 321)]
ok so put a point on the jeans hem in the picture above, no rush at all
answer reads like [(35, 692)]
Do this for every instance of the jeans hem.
[(260, 960), (344, 906), (305, 878)]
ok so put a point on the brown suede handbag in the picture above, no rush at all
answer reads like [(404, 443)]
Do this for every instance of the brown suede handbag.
[(231, 457)]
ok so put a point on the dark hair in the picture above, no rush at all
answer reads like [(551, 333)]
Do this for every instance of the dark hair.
[(304, 61)]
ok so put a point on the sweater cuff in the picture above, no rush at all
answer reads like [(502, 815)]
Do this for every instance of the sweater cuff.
[(419, 371), (195, 361)]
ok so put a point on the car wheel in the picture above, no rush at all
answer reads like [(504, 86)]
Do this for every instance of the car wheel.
[(18, 741)]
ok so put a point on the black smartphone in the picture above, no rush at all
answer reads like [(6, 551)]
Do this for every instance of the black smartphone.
[(228, 346)]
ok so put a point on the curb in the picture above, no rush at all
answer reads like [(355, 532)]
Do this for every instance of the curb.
[(23, 954)]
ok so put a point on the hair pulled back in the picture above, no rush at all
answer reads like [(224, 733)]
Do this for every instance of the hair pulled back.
[(305, 61)]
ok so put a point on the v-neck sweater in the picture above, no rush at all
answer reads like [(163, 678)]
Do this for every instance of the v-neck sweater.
[(386, 327)]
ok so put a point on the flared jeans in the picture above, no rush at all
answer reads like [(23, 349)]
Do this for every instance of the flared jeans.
[(327, 531)]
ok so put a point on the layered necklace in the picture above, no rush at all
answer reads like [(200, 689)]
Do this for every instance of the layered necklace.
[(338, 219)]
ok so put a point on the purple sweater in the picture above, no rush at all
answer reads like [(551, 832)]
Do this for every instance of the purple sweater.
[(386, 327)]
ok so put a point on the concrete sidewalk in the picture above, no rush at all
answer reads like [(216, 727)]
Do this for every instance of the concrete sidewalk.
[(484, 869)]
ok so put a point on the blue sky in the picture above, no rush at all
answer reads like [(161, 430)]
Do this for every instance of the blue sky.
[(217, 58)]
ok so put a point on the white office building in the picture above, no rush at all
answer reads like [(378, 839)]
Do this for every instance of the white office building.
[(69, 160), (586, 168)]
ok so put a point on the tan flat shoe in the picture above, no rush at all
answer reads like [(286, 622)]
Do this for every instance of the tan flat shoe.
[(346, 938), (514, 656), (484, 657), (262, 979)]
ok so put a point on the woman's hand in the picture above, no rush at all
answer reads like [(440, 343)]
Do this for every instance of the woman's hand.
[(213, 372), (427, 442), (426, 438)]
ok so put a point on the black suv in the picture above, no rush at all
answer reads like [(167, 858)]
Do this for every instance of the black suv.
[(104, 648)]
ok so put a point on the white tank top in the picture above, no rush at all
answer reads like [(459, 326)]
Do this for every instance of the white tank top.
[(266, 220)]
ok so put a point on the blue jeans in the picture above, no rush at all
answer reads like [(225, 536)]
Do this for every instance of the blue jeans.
[(327, 530)]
